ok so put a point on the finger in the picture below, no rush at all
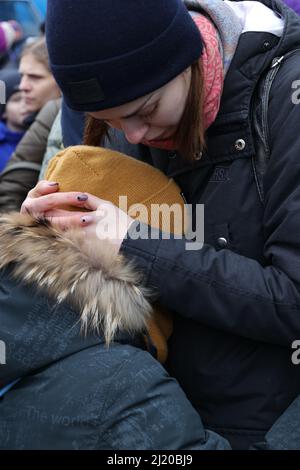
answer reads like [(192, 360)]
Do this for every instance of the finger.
[(64, 213), (93, 203), (43, 187), (38, 206), (66, 222)]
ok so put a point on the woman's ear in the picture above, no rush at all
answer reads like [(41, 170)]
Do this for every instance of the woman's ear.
[(187, 71)]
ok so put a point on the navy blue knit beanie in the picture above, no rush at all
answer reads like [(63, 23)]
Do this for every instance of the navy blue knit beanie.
[(105, 53)]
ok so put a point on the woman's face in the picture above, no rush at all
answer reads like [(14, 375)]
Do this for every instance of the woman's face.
[(153, 117), (37, 83)]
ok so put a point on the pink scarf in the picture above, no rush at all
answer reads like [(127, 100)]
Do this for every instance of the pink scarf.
[(213, 77)]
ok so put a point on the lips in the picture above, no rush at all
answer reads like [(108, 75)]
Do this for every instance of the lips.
[(158, 139)]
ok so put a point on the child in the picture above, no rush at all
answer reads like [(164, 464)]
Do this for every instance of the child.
[(12, 116)]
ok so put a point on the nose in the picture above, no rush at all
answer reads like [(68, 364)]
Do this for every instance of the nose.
[(134, 129), (24, 84)]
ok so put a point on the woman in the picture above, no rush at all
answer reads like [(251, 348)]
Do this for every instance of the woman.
[(183, 87)]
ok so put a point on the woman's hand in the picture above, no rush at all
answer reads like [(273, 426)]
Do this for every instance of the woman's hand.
[(102, 221)]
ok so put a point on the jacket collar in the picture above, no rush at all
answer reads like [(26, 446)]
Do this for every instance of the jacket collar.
[(254, 55)]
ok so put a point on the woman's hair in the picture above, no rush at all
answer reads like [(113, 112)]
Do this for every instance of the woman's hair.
[(189, 137), (38, 49)]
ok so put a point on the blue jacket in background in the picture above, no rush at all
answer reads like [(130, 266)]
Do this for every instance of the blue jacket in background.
[(8, 143), (294, 4)]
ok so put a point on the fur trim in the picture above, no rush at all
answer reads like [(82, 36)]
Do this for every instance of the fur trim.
[(103, 286)]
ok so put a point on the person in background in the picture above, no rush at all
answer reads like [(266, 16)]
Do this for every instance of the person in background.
[(10, 33), (37, 82), (12, 116), (294, 4), (22, 171), (42, 98)]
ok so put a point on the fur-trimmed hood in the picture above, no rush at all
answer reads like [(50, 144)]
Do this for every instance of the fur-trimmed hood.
[(103, 287)]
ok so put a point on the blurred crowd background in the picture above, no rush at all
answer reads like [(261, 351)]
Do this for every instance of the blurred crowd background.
[(30, 100)]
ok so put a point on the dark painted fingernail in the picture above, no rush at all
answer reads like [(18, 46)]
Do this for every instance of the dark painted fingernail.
[(86, 219), (52, 184), (82, 198)]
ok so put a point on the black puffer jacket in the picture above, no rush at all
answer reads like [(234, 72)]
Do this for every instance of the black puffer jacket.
[(237, 300)]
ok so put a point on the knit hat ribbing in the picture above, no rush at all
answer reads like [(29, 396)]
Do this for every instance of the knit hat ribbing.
[(107, 53), (108, 174)]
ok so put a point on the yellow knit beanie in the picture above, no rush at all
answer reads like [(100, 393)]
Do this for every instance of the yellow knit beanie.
[(108, 175)]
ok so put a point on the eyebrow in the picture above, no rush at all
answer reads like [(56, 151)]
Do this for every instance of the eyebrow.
[(29, 74)]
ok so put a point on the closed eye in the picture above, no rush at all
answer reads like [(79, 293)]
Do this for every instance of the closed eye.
[(150, 114), (147, 116)]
